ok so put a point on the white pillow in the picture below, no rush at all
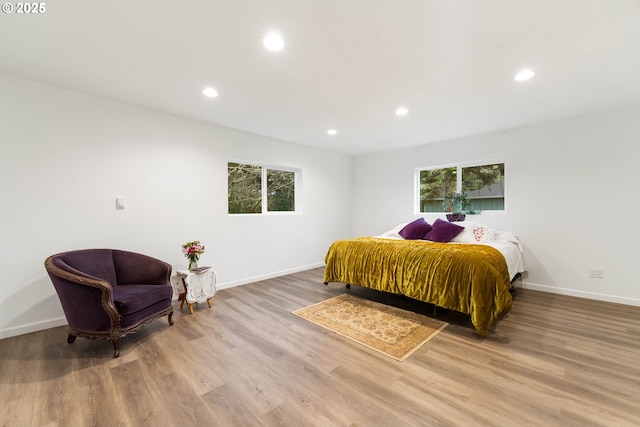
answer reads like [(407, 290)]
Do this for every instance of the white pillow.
[(482, 233), (466, 235), (474, 233), (394, 233)]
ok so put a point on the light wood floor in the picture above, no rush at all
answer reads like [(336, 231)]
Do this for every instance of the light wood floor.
[(553, 361)]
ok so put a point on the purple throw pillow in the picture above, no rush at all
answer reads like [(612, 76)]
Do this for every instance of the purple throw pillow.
[(443, 231), (415, 229)]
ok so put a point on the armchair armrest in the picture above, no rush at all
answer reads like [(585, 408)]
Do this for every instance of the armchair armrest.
[(87, 301)]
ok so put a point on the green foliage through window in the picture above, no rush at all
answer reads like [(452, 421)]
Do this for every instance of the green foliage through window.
[(247, 192), (483, 186), (245, 188), (280, 190), (435, 184)]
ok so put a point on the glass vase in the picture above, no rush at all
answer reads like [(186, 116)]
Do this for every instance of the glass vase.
[(193, 264)]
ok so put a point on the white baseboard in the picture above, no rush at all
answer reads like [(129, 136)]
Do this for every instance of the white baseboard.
[(32, 327), (267, 276), (582, 294), (60, 321)]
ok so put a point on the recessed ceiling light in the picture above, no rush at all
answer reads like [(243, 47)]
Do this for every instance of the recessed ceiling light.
[(524, 75), (402, 111), (273, 42), (210, 92), (332, 132)]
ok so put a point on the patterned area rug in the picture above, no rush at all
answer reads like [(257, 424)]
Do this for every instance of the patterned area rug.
[(389, 330)]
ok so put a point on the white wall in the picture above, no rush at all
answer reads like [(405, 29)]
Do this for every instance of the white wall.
[(572, 196), (64, 157)]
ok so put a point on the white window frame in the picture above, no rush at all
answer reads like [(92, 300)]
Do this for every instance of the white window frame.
[(459, 166), (297, 191)]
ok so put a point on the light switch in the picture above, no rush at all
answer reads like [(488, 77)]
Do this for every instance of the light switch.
[(121, 203)]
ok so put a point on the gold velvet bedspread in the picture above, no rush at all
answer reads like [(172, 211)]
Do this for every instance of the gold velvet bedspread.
[(471, 279)]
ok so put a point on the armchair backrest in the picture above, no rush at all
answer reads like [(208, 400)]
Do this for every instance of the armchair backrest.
[(133, 268), (97, 263), (114, 266)]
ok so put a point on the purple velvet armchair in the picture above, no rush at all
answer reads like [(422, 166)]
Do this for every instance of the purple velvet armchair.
[(108, 293)]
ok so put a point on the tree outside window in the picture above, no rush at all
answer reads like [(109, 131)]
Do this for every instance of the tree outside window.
[(249, 186), (435, 184), (245, 188), (482, 184), (280, 190)]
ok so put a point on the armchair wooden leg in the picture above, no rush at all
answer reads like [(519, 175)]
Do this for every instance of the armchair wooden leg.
[(116, 347), (71, 339), (171, 318)]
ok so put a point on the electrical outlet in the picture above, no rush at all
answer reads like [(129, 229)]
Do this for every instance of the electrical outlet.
[(596, 273)]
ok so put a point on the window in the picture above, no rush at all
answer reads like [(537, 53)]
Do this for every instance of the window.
[(482, 184), (281, 191), (256, 189)]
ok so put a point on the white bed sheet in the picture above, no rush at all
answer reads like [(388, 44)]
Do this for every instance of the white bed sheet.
[(512, 255)]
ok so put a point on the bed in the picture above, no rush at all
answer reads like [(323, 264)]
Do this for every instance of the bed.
[(470, 272)]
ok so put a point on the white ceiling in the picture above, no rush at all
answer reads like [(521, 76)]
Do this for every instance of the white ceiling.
[(347, 64)]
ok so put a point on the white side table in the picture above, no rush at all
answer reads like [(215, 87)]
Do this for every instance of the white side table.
[(194, 286)]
